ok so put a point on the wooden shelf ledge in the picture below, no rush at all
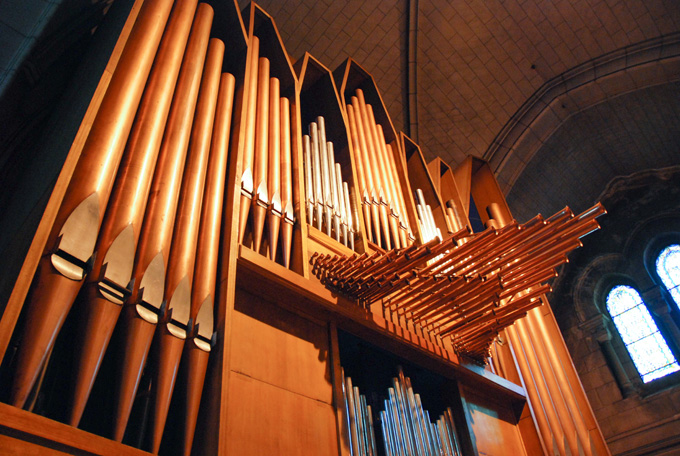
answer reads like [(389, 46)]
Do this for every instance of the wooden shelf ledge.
[(29, 433), (309, 298)]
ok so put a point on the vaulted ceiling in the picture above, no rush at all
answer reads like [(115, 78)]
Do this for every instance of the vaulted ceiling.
[(559, 96)]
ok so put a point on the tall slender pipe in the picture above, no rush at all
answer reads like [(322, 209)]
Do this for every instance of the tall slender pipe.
[(151, 259), (71, 243), (261, 158), (172, 330), (371, 181), (309, 179), (364, 186), (287, 197), (274, 172), (108, 285), (250, 109), (385, 176), (198, 346), (374, 168)]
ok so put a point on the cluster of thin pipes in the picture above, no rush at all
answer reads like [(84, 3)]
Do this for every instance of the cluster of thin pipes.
[(428, 228), (326, 191), (382, 199), (359, 420), (406, 426), (139, 226), (469, 291), (266, 181)]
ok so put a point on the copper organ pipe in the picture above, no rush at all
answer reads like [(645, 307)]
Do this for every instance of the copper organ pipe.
[(142, 312), (260, 161), (287, 199), (371, 181), (375, 169), (361, 172), (250, 109), (395, 189), (199, 337), (405, 224), (107, 286), (71, 243), (172, 329), (274, 172), (387, 180), (470, 290)]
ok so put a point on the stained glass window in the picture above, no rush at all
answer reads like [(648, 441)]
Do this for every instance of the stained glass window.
[(647, 347), (668, 268)]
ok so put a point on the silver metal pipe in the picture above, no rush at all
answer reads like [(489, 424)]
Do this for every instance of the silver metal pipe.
[(316, 170), (334, 189), (309, 179), (351, 413), (347, 416)]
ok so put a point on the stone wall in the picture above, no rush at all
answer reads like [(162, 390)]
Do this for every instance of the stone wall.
[(643, 216)]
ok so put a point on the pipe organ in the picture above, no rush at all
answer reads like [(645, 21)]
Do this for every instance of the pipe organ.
[(224, 216)]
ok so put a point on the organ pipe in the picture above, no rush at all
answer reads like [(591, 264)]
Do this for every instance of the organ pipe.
[(70, 246), (462, 291)]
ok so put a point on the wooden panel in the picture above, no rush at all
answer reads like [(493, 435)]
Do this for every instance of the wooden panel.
[(280, 348), (485, 190), (492, 424), (267, 420)]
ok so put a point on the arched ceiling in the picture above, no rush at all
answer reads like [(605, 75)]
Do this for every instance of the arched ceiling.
[(488, 71)]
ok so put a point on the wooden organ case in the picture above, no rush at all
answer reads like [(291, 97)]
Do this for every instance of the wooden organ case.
[(195, 284)]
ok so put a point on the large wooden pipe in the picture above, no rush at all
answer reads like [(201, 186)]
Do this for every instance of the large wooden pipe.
[(275, 210), (108, 285), (141, 315), (260, 161), (250, 109), (198, 345), (178, 283), (71, 243), (287, 197)]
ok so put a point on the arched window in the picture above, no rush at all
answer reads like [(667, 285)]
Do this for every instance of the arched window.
[(668, 268), (647, 347)]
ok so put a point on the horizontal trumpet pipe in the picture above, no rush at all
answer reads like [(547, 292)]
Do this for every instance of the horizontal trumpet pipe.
[(483, 315)]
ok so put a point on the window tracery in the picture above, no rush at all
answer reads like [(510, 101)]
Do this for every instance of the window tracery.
[(646, 345), (668, 269)]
